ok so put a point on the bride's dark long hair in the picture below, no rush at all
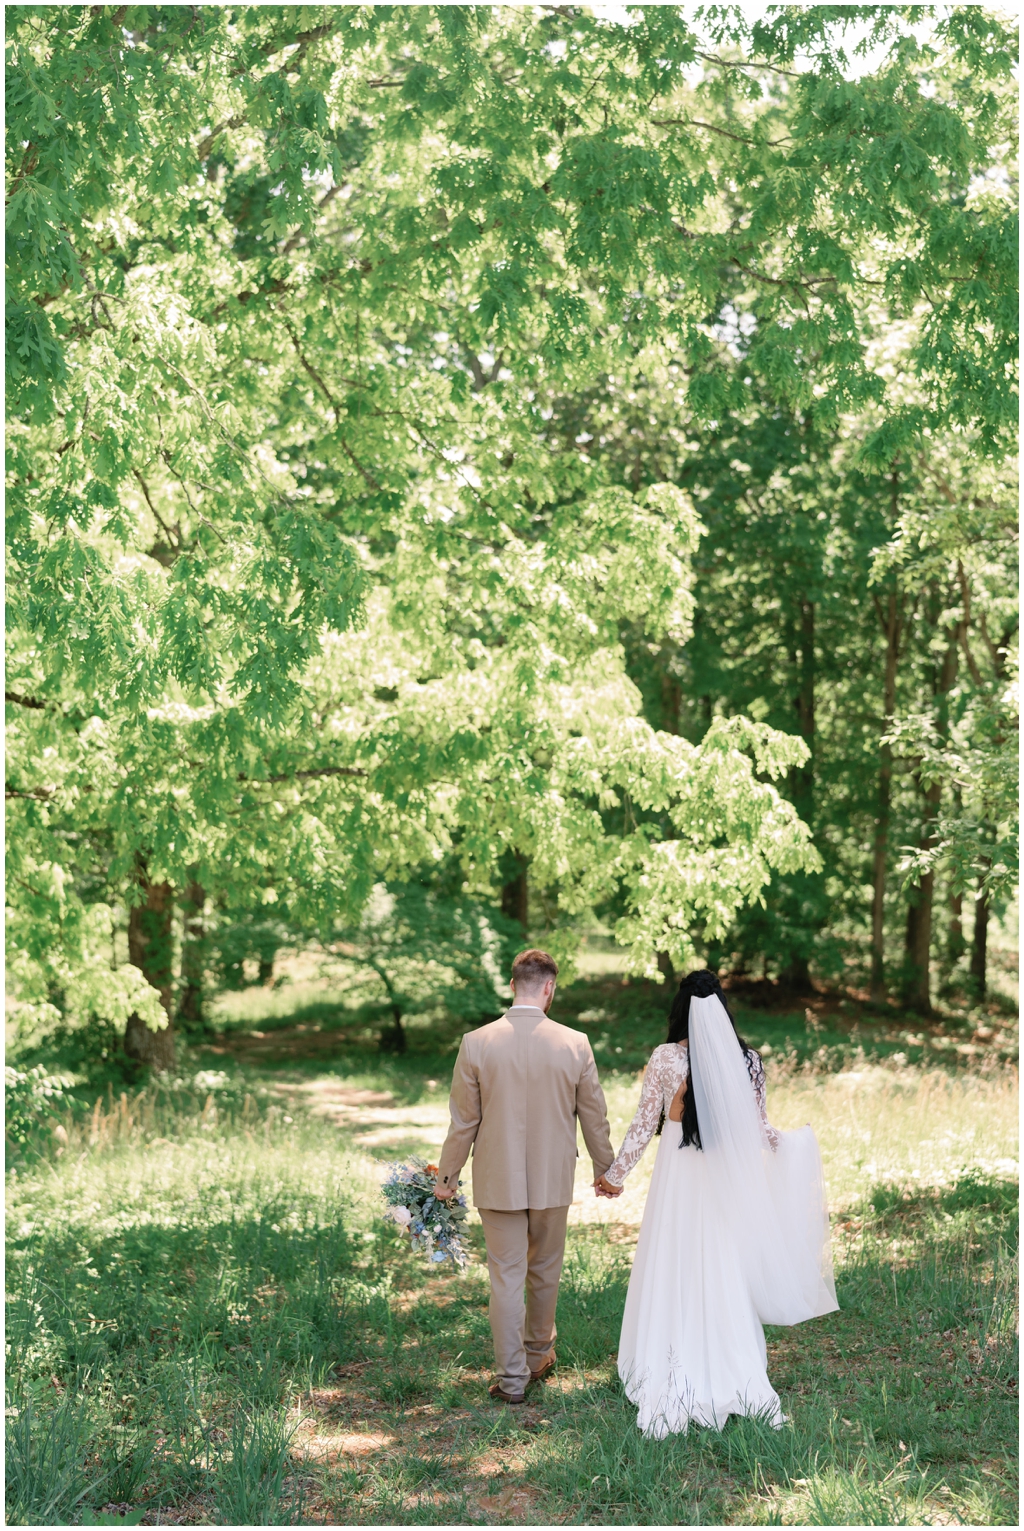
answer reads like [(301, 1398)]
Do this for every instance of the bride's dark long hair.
[(697, 985)]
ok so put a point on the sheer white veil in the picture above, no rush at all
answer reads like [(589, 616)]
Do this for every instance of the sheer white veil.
[(774, 1199)]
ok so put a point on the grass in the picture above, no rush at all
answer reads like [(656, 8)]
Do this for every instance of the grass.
[(624, 1018), (919, 1128), (209, 1323)]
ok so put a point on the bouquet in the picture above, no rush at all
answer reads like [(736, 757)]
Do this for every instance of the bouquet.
[(434, 1226)]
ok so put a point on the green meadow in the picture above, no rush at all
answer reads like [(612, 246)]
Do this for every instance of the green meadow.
[(209, 1323)]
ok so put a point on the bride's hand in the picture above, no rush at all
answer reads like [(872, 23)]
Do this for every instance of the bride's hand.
[(604, 1187)]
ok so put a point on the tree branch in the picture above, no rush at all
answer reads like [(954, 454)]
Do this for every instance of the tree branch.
[(296, 237), (360, 468), (174, 543), (29, 160), (215, 423), (481, 378), (335, 406), (268, 50), (188, 500), (724, 63), (998, 650), (313, 373), (25, 701), (809, 282), (260, 781), (883, 619), (276, 45), (695, 122), (203, 151)]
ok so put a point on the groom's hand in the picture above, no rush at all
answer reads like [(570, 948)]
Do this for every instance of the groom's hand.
[(442, 1192), (604, 1187)]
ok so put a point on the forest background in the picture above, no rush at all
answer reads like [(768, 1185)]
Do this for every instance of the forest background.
[(478, 475)]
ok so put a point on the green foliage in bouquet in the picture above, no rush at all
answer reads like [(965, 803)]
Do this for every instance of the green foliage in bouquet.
[(434, 1226)]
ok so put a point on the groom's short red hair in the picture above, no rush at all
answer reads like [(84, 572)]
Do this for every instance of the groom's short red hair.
[(534, 966)]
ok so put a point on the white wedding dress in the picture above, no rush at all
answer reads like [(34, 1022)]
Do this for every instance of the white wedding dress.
[(734, 1235)]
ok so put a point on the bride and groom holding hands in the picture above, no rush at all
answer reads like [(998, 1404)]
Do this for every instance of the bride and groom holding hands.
[(735, 1229)]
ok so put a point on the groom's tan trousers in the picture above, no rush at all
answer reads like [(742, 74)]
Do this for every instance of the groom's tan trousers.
[(525, 1251)]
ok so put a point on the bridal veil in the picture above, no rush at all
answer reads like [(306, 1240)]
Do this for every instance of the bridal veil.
[(771, 1199)]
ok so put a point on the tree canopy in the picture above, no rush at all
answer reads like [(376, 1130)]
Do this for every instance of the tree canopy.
[(311, 583)]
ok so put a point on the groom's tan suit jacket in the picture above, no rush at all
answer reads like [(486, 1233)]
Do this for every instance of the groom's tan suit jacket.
[(518, 1088)]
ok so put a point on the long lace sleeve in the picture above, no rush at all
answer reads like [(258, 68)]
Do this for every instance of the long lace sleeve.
[(755, 1068), (643, 1126)]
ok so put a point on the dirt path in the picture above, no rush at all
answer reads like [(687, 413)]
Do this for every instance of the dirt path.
[(372, 1118), (374, 1124)]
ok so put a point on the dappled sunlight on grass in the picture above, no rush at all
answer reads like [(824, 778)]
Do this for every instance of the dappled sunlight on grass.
[(236, 1334)]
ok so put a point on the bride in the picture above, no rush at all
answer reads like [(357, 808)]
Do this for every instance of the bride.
[(735, 1231)]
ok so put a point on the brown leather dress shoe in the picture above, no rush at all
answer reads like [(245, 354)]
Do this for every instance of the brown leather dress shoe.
[(543, 1371), (496, 1391)]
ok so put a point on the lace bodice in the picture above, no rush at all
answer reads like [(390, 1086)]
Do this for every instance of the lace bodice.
[(668, 1066)]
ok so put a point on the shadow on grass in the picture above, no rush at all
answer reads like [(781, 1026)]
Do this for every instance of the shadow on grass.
[(184, 1353), (901, 1407), (624, 1021), (158, 1360)]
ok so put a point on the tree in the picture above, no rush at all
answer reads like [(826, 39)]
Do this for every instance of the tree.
[(430, 951), (963, 748), (279, 382), (803, 535)]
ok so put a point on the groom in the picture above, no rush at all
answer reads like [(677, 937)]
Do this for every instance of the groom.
[(518, 1088)]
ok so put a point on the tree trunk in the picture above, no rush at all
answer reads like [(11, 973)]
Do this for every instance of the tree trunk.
[(803, 776), (515, 892), (878, 876), (797, 974), (956, 946), (979, 947), (266, 971), (917, 986), (955, 943), (671, 695), (149, 949), (917, 981), (881, 845), (190, 999), (668, 971), (394, 1039)]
